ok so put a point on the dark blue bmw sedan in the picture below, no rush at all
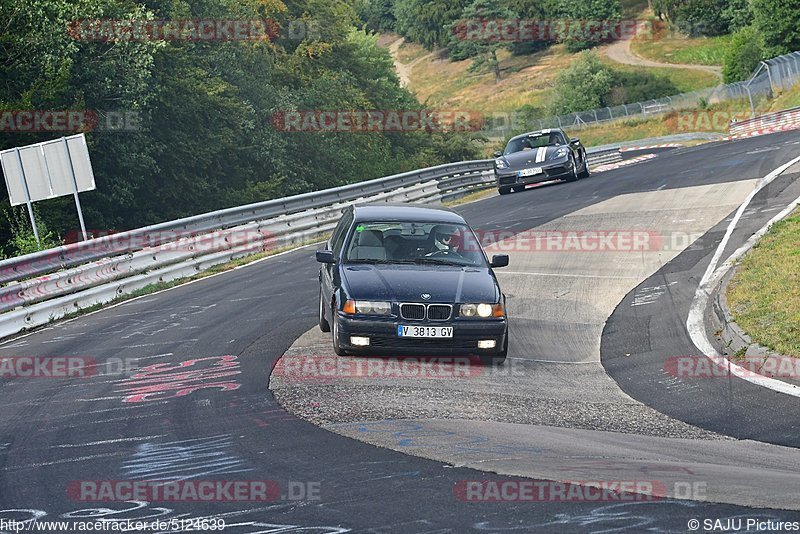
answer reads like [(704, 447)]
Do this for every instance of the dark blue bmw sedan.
[(405, 279)]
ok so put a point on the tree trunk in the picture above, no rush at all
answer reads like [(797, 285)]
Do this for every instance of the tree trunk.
[(496, 65)]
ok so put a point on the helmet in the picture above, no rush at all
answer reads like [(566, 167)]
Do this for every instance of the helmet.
[(445, 236)]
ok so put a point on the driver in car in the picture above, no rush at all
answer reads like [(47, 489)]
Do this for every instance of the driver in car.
[(445, 240)]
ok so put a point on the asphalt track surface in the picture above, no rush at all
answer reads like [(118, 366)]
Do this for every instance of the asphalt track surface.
[(226, 425)]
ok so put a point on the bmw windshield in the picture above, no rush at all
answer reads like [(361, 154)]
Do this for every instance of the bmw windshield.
[(414, 242)]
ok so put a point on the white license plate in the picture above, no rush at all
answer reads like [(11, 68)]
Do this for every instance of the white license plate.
[(424, 331), (529, 172)]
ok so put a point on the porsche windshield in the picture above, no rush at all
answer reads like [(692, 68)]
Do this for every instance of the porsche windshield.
[(413, 242), (531, 142)]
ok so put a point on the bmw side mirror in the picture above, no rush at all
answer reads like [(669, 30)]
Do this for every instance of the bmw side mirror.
[(497, 153), (574, 141), (325, 256), (499, 260)]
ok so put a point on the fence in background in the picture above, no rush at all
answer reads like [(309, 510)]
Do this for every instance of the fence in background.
[(770, 77)]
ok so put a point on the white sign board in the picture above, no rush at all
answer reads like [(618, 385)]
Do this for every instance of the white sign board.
[(47, 170)]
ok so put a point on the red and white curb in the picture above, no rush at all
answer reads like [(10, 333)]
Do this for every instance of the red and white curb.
[(648, 147), (624, 163), (763, 131)]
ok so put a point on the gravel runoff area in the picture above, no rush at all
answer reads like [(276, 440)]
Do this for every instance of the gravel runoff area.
[(528, 396)]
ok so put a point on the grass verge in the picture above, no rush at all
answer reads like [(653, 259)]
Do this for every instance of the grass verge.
[(684, 80), (764, 294), (676, 48), (789, 99)]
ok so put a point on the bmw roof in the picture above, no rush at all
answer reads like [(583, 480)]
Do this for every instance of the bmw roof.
[(406, 212)]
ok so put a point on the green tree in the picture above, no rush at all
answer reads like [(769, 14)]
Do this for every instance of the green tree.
[(531, 12), (204, 139), (746, 50), (576, 34), (737, 14), (377, 15), (478, 36), (778, 22), (703, 17), (427, 22)]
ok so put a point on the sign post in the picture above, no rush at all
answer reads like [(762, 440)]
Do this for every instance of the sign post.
[(48, 170), (75, 190)]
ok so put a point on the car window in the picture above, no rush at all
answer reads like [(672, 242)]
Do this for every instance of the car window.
[(535, 141), (341, 232), (413, 242)]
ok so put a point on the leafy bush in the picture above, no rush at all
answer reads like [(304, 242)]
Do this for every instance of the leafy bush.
[(745, 51), (637, 86), (582, 86), (23, 240)]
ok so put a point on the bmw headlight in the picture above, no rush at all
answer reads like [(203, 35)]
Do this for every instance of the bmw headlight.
[(371, 307), (561, 153), (482, 310), (500, 163)]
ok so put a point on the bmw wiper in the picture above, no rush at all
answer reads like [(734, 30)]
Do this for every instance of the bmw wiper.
[(439, 261), (368, 260)]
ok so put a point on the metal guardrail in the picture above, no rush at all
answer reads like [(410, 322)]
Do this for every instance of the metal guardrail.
[(97, 270), (52, 283), (785, 119), (51, 260)]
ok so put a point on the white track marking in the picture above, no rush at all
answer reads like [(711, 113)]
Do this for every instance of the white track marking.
[(714, 274), (523, 273)]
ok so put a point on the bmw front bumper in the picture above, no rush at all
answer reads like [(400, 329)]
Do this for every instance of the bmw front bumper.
[(384, 340)]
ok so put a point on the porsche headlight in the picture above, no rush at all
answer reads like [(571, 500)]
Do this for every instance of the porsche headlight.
[(500, 163), (561, 153), (476, 310), (371, 307)]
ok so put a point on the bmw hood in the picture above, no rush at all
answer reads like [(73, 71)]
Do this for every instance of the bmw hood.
[(407, 283), (531, 158)]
